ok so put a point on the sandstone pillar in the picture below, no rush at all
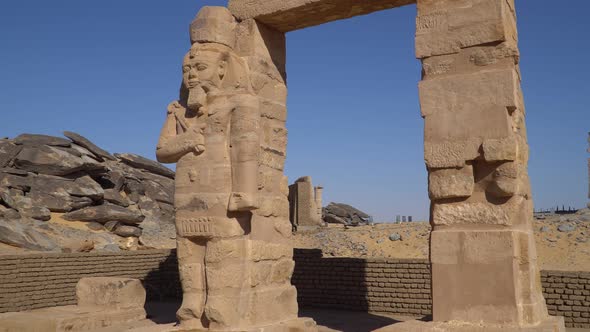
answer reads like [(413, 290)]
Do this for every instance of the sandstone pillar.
[(227, 134), (303, 204), (318, 200), (482, 249)]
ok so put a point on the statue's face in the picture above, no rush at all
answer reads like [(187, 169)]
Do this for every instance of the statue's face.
[(203, 69)]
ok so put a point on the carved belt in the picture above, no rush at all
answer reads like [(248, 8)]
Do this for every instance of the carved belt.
[(202, 226)]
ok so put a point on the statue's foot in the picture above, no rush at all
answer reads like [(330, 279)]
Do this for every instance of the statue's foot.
[(191, 325), (189, 314), (241, 201)]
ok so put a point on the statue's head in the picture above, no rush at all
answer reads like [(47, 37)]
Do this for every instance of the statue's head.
[(204, 70)]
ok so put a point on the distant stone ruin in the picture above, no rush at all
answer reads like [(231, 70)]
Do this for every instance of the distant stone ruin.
[(305, 203)]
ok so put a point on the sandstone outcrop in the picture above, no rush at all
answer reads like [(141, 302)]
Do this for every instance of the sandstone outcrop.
[(49, 185)]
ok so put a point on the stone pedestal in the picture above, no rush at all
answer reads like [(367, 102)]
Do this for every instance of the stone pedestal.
[(102, 302)]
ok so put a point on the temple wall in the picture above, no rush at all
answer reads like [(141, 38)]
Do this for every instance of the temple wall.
[(47, 280), (394, 286)]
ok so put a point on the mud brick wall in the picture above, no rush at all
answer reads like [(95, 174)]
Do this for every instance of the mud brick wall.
[(568, 294), (47, 280), (379, 285)]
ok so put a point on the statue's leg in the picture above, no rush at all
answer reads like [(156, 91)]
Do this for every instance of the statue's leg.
[(245, 147), (228, 283), (191, 259)]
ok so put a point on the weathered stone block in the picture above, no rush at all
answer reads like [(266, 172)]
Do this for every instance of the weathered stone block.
[(284, 300), (271, 229), (503, 149), (291, 15), (273, 110), (451, 183), (449, 154), (470, 60), (260, 273), (227, 275), (226, 250), (282, 271), (477, 258), (261, 250), (468, 106), (444, 27), (110, 292), (470, 214), (506, 180), (69, 318), (274, 136), (263, 42), (273, 206)]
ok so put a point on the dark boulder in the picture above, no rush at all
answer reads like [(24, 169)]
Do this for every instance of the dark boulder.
[(127, 231), (95, 226), (105, 213), (48, 160), (8, 151), (111, 225), (134, 189), (340, 213), (82, 186), (59, 201), (21, 182), (24, 235), (86, 143), (36, 140), (157, 192), (8, 213), (144, 163), (115, 197)]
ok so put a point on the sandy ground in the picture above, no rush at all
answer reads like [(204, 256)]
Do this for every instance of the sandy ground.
[(161, 319), (557, 250)]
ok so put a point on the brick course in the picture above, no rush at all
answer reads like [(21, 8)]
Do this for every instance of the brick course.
[(47, 280), (396, 286), (568, 294), (378, 285)]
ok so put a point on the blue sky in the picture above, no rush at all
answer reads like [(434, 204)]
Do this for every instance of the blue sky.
[(107, 69)]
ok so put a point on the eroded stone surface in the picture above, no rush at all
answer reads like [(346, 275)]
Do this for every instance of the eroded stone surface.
[(469, 213), (451, 183), (110, 292), (290, 15)]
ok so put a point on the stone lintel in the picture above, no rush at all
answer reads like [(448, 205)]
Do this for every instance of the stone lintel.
[(289, 15)]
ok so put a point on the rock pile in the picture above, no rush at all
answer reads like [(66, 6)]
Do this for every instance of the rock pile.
[(339, 213), (43, 178)]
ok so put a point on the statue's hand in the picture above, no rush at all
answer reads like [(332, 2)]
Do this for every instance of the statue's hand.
[(174, 107), (197, 139)]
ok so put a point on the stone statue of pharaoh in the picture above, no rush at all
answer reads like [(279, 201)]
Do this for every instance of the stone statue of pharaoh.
[(211, 132)]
